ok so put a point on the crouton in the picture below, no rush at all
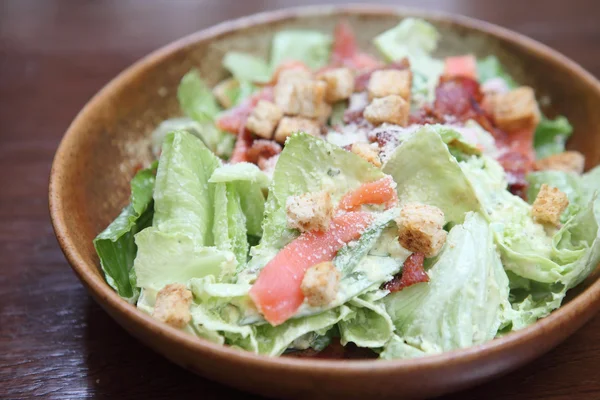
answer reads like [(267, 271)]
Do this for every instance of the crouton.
[(302, 98), (388, 82), (516, 110), (293, 75), (549, 205), (420, 229), (324, 113), (289, 125), (568, 161), (309, 211), (173, 305), (320, 284), (340, 84), (222, 91), (391, 109), (367, 152), (263, 119)]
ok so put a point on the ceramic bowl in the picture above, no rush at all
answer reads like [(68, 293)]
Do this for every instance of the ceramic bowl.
[(97, 156)]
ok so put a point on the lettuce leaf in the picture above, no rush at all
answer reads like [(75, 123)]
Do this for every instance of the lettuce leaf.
[(247, 67), (490, 68), (229, 228), (435, 176), (464, 302), (273, 341), (310, 47), (116, 246), (177, 246), (590, 184), (551, 135), (370, 325), (183, 199), (198, 102), (249, 182)]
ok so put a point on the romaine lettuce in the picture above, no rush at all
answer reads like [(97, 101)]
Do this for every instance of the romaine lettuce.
[(435, 177), (116, 246), (198, 102), (247, 67), (370, 325), (551, 135), (464, 302), (310, 47)]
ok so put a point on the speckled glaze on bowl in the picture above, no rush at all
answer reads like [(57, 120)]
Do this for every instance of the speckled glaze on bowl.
[(94, 163)]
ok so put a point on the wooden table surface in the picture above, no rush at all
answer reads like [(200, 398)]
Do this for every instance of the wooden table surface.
[(55, 342)]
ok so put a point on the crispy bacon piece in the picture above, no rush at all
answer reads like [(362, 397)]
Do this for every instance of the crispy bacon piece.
[(242, 145), (457, 96), (345, 51), (233, 119), (412, 272), (263, 149)]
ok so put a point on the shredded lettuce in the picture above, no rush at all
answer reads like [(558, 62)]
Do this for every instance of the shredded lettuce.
[(310, 47), (116, 246)]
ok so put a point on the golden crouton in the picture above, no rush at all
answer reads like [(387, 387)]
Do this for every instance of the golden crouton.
[(293, 75), (263, 119), (367, 152), (420, 229), (391, 109), (302, 98), (568, 161), (516, 110), (340, 84), (309, 211), (173, 305), (320, 284), (549, 205), (390, 81), (290, 125), (222, 90), (324, 113)]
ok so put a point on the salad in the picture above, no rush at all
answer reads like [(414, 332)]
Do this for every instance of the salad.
[(329, 198)]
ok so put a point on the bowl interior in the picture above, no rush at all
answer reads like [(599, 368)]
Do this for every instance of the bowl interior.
[(110, 137)]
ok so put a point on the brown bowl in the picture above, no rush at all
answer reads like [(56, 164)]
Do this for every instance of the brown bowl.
[(95, 161)]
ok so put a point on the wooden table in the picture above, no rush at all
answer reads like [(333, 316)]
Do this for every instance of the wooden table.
[(55, 341)]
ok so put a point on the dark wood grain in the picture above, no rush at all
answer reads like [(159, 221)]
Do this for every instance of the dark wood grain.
[(55, 342)]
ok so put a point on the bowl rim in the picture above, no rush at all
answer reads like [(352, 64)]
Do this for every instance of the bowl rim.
[(580, 305)]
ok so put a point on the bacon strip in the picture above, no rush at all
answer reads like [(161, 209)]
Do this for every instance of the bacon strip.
[(412, 273), (345, 52)]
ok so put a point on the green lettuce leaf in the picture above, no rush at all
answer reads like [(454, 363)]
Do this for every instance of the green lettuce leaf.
[(490, 68), (464, 302), (183, 199), (311, 47), (273, 341), (198, 102), (370, 326), (229, 228), (247, 67), (250, 182), (174, 257), (116, 246), (590, 184), (337, 113), (435, 176), (568, 183), (551, 135)]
